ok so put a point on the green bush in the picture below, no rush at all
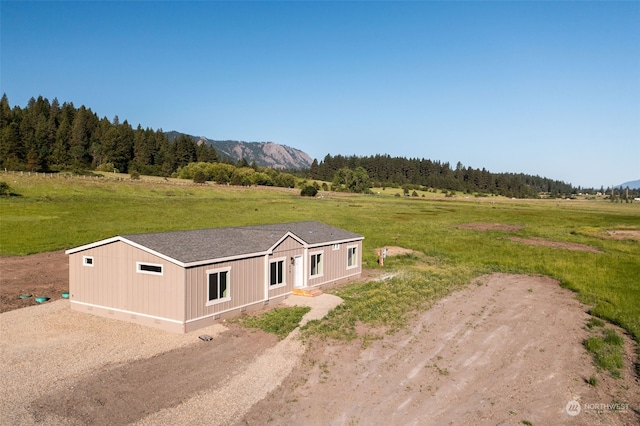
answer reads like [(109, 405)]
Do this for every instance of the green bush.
[(309, 191), (106, 167), (199, 177), (5, 189)]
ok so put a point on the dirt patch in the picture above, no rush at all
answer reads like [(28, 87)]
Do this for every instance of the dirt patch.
[(125, 393), (556, 244), (394, 250), (43, 274), (626, 234), (504, 351), (479, 226)]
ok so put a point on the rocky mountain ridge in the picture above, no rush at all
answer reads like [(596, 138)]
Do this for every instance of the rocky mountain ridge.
[(264, 154)]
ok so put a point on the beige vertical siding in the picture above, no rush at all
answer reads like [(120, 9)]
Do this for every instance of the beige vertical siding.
[(289, 248), (246, 286), (113, 282), (334, 263)]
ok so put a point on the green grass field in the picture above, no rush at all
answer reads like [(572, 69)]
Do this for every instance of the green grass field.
[(55, 213)]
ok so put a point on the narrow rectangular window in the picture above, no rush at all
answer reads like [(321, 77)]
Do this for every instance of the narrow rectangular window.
[(316, 264), (352, 257), (218, 286), (336, 246), (276, 276), (149, 268), (87, 260)]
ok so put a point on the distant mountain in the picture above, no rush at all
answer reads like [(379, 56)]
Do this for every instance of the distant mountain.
[(264, 154), (634, 184)]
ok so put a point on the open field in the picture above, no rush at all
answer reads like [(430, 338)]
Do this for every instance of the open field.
[(60, 213), (590, 247)]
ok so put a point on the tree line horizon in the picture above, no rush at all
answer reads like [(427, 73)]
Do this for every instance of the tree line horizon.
[(45, 136)]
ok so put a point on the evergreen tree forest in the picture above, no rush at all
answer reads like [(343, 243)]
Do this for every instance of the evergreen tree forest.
[(46, 136), (413, 173)]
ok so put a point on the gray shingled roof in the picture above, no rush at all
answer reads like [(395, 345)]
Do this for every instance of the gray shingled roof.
[(208, 244)]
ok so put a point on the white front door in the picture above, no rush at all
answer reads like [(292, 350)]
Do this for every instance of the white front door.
[(298, 273)]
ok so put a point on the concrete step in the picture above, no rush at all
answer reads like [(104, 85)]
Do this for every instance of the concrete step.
[(307, 292)]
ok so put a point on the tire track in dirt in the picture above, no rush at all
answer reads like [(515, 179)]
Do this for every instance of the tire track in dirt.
[(505, 350)]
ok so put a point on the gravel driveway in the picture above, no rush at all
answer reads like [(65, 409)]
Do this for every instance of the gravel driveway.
[(48, 349)]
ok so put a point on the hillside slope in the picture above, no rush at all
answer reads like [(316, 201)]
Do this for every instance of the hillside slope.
[(264, 154), (633, 184)]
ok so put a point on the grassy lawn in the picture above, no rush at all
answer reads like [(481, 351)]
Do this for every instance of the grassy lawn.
[(60, 213)]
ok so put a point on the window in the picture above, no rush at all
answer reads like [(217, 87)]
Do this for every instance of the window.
[(352, 257), (336, 246), (276, 276), (148, 268), (87, 260), (218, 285), (316, 264)]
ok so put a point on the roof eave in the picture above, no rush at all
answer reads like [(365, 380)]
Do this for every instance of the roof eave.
[(126, 241)]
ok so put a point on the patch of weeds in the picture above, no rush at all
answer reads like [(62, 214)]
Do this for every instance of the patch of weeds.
[(530, 290), (594, 322), (593, 381), (407, 259), (612, 338), (527, 423), (388, 304), (324, 372), (607, 350), (368, 338), (279, 321), (441, 371)]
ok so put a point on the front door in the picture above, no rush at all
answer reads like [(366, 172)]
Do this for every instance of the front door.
[(298, 272)]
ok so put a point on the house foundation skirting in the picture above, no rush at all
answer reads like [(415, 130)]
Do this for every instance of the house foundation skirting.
[(197, 323), (167, 324), (177, 326)]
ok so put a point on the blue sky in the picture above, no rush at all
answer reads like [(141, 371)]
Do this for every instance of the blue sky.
[(546, 88)]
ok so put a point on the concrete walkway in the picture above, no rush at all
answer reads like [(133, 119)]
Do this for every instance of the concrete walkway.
[(320, 305)]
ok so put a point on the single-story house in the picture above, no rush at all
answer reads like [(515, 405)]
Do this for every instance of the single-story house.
[(185, 280)]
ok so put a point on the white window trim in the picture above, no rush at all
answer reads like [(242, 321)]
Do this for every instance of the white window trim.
[(355, 265), (217, 271), (85, 263), (284, 272), (321, 273), (140, 271), (336, 246)]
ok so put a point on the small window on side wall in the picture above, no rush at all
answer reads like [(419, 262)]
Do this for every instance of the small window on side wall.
[(148, 268), (316, 264), (276, 273), (218, 286), (352, 257), (87, 260)]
